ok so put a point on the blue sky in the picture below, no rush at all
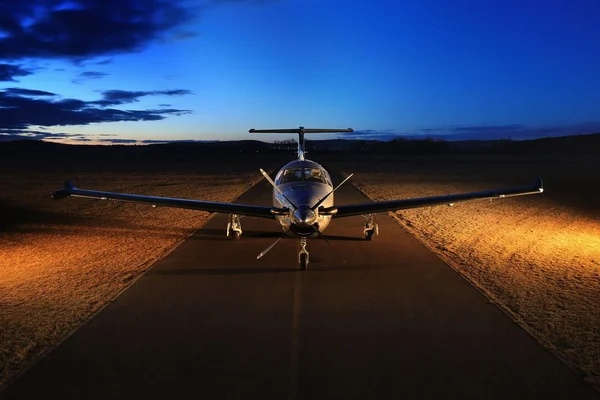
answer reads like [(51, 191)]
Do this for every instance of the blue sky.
[(211, 70)]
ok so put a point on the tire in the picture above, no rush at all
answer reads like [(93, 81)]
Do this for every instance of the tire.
[(369, 235), (303, 261), (236, 236)]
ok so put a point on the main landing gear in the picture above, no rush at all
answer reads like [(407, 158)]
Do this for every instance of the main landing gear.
[(234, 226), (303, 256), (371, 227)]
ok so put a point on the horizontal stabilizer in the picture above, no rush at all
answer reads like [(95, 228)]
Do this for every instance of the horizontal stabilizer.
[(300, 130)]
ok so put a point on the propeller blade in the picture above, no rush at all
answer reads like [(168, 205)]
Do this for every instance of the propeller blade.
[(329, 194), (330, 245), (265, 251), (268, 178)]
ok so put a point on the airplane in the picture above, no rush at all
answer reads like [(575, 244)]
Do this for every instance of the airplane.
[(303, 200)]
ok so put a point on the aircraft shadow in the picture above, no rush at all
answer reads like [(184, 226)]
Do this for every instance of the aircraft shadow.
[(219, 235), (351, 238), (224, 271)]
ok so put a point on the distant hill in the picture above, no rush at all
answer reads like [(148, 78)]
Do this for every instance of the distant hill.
[(577, 144), (189, 151)]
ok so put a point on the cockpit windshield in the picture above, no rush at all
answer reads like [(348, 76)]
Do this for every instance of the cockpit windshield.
[(304, 174), (314, 175), (291, 175)]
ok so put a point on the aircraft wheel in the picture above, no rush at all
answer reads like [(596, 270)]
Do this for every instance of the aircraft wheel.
[(237, 236), (303, 261), (369, 235)]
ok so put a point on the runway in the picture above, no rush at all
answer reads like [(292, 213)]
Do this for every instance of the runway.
[(211, 321)]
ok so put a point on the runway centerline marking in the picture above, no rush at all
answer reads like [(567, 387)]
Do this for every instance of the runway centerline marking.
[(295, 342)]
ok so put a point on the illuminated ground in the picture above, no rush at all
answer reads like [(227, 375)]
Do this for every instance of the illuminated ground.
[(212, 321)]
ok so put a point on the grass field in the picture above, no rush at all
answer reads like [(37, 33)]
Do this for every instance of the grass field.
[(538, 257)]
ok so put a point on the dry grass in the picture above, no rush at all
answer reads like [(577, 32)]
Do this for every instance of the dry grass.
[(536, 256), (60, 262)]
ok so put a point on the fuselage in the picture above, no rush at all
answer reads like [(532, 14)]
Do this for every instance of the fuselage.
[(304, 183)]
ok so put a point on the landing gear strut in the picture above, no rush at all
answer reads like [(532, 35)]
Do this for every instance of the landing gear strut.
[(235, 226), (303, 256), (371, 227)]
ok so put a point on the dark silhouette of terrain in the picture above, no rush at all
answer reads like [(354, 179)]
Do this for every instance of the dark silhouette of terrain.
[(149, 157)]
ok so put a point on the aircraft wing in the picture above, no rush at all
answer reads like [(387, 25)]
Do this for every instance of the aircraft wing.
[(394, 205), (211, 206)]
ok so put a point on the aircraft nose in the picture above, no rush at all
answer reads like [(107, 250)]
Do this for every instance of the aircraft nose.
[(305, 215)]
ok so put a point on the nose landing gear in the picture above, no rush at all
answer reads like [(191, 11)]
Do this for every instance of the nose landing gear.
[(303, 255)]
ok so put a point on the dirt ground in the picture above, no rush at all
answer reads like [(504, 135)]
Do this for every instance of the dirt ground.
[(61, 261), (538, 257)]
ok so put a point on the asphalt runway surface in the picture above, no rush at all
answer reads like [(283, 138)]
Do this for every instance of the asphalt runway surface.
[(211, 321)]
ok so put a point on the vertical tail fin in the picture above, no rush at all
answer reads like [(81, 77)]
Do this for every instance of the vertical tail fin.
[(300, 131)]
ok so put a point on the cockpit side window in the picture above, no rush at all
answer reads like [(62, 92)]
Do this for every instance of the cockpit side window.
[(327, 178)]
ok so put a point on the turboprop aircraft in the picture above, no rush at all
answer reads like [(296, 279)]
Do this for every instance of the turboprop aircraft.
[(302, 200)]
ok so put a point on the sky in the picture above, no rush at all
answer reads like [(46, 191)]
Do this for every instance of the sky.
[(145, 71)]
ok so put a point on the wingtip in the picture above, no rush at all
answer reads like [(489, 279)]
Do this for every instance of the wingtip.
[(539, 184), (66, 191)]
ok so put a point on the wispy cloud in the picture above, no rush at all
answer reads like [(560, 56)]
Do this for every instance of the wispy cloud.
[(119, 141), (479, 132), (510, 131), (116, 97), (88, 75), (27, 92)]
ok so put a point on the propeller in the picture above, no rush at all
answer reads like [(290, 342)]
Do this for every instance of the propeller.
[(265, 251), (301, 215), (330, 245)]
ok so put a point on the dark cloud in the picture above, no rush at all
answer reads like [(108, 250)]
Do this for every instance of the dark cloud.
[(87, 28), (87, 75), (9, 138), (18, 134), (116, 97), (20, 112), (27, 92), (8, 72)]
